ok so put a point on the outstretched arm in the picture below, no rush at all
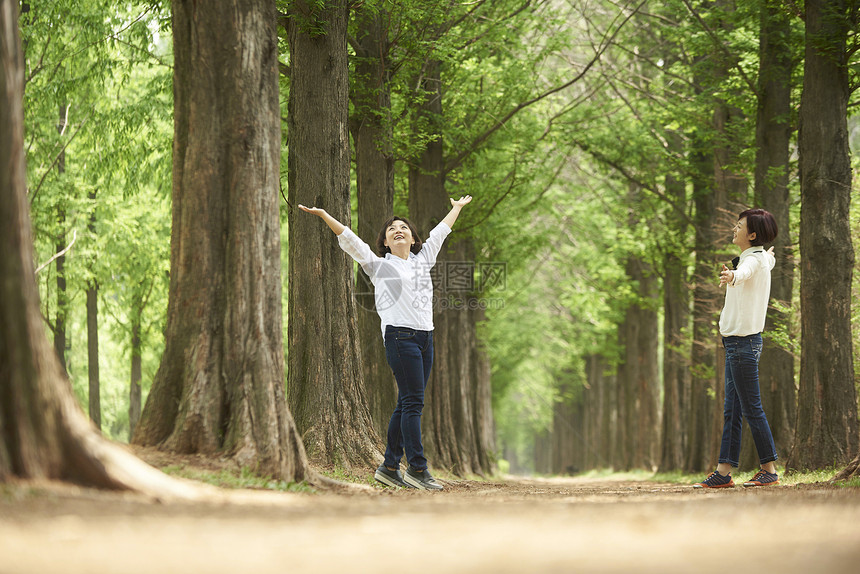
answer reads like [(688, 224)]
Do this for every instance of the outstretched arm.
[(333, 223), (455, 210), (727, 276)]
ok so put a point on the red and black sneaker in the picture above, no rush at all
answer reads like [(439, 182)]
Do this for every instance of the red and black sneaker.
[(716, 480), (763, 478)]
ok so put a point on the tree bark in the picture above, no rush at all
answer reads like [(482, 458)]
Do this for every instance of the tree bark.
[(134, 395), (621, 459), (638, 375), (773, 140), (43, 432), (456, 425), (374, 167), (62, 297), (220, 385), (566, 452), (704, 373), (676, 350), (326, 384), (95, 407), (827, 430)]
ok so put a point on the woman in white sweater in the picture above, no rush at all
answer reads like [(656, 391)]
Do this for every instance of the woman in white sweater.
[(741, 323), (403, 290)]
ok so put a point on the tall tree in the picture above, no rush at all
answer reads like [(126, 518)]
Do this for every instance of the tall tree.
[(220, 386), (772, 166), (704, 357), (676, 318), (93, 332), (454, 434), (826, 430), (326, 383), (371, 127), (43, 432), (60, 318)]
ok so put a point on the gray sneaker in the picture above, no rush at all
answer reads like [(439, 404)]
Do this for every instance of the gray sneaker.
[(389, 477), (421, 479)]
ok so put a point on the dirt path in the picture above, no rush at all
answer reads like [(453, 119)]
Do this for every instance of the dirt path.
[(559, 525)]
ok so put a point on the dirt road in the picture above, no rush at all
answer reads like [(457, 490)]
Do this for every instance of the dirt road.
[(559, 525)]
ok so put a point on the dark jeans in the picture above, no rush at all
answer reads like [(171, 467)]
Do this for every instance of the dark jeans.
[(743, 400), (410, 355)]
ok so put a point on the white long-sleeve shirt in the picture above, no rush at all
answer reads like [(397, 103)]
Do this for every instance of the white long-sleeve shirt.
[(748, 294), (403, 288)]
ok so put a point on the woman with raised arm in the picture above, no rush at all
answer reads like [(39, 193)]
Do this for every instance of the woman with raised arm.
[(403, 292), (741, 323)]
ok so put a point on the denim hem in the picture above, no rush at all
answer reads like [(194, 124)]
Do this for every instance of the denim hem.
[(768, 459), (733, 463)]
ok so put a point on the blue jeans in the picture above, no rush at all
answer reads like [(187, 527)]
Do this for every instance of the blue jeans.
[(743, 400), (410, 355)]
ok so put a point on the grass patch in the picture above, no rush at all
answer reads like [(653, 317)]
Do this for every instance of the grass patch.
[(245, 478), (806, 477), (850, 483), (343, 475)]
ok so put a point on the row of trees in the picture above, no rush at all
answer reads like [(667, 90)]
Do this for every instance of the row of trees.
[(734, 126), (610, 146)]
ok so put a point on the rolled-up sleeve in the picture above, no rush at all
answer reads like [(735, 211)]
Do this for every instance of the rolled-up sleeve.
[(430, 249), (746, 269), (358, 250)]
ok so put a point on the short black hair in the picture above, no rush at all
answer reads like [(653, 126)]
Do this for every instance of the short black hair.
[(762, 223), (382, 249)]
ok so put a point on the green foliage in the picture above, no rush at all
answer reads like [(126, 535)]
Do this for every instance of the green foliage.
[(106, 65)]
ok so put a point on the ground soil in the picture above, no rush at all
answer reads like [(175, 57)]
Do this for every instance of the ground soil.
[(510, 525)]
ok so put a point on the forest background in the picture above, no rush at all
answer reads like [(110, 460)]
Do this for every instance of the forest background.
[(609, 147)]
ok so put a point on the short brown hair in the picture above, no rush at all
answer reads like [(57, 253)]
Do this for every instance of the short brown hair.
[(382, 249), (762, 223)]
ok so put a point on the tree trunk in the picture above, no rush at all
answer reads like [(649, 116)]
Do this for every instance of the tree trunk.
[(609, 422), (62, 297), (676, 350), (95, 407), (638, 373), (93, 333), (773, 140), (326, 385), (374, 167), (220, 385), (598, 385), (134, 395), (43, 432), (621, 453), (450, 433), (543, 453), (565, 446), (826, 431), (704, 373), (482, 398)]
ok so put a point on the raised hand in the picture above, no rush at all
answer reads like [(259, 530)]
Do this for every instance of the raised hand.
[(462, 201), (332, 223), (312, 210)]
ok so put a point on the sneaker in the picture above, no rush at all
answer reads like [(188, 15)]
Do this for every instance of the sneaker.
[(421, 479), (763, 478), (716, 480), (389, 477)]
